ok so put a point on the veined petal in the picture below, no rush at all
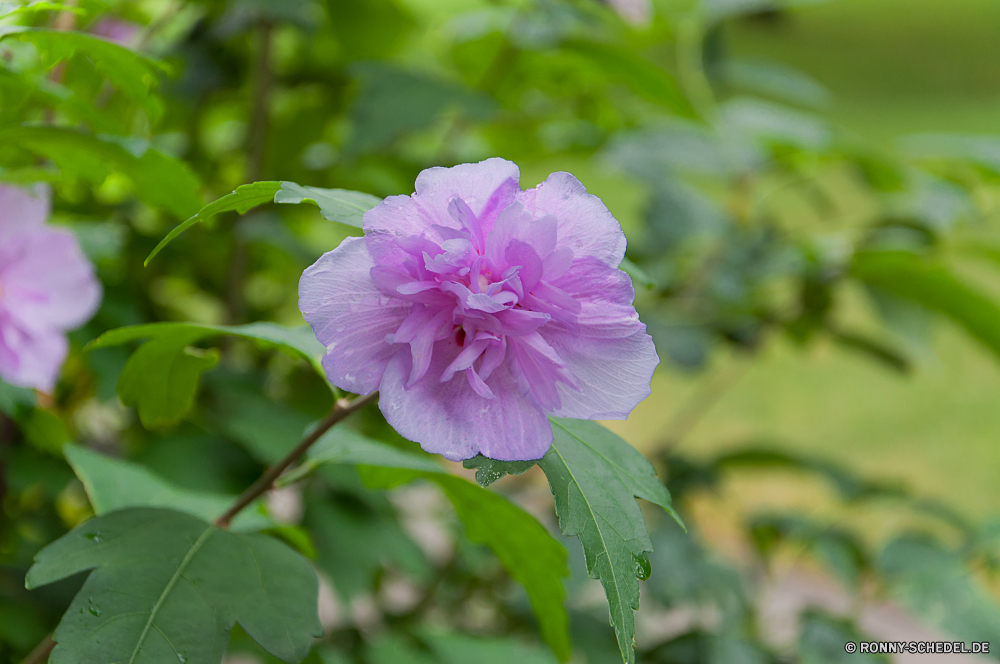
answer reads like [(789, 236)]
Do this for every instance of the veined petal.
[(350, 316), (465, 359), (486, 187), (453, 420)]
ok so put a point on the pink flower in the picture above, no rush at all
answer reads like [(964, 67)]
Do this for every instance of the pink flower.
[(477, 309), (47, 287)]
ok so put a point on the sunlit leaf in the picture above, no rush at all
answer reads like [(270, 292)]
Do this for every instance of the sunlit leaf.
[(596, 477), (167, 587), (134, 74), (340, 205), (116, 484)]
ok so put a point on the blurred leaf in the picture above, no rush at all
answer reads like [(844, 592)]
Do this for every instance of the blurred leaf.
[(167, 586), (393, 101), (298, 342), (159, 180), (933, 583), (776, 80), (244, 198), (822, 639), (646, 79), (637, 274), (369, 30), (774, 123), (265, 428), (134, 74), (836, 548), (489, 470), (595, 477), (9, 9), (878, 351), (161, 379), (46, 431), (115, 484), (677, 146), (461, 649), (530, 555), (983, 150), (14, 399), (718, 10), (340, 205), (932, 285), (354, 544)]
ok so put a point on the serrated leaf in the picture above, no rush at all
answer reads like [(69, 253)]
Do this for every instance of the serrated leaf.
[(115, 484), (340, 205), (168, 587), (529, 553), (489, 470), (931, 284), (595, 477), (161, 378), (133, 74), (243, 199), (159, 180)]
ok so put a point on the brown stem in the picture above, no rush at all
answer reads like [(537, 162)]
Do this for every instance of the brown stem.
[(266, 481), (41, 652)]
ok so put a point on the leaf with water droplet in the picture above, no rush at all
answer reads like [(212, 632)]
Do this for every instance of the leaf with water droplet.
[(140, 607), (489, 470), (595, 477)]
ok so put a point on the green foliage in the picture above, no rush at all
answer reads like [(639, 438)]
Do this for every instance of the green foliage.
[(489, 470), (596, 477), (115, 484), (167, 586), (340, 205), (532, 557)]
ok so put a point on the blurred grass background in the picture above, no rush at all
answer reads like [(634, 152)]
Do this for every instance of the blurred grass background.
[(895, 67)]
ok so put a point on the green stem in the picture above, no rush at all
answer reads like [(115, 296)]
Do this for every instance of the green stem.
[(691, 66)]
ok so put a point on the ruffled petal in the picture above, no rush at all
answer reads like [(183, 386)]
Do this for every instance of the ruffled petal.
[(350, 316), (31, 359), (585, 224), (49, 284), (451, 419), (608, 352), (487, 188)]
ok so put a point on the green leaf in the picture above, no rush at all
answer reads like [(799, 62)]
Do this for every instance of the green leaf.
[(778, 81), (340, 205), (159, 180), (932, 285), (168, 587), (529, 553), (14, 400), (115, 484), (161, 379), (46, 431), (646, 78), (133, 74), (243, 199), (489, 470), (461, 649), (8, 9), (595, 477), (162, 376)]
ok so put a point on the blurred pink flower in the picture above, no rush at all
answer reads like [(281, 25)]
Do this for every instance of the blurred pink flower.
[(120, 31), (47, 287), (636, 12), (477, 309)]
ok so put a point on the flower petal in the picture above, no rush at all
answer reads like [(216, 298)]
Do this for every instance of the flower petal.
[(585, 224), (608, 351), (31, 359), (452, 420), (350, 316), (486, 188), (49, 284), (21, 210)]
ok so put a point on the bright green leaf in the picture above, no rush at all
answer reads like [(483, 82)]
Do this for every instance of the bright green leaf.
[(8, 9), (168, 587), (340, 205), (489, 470), (461, 649), (161, 378), (595, 477), (134, 74), (159, 180), (243, 199), (115, 484)]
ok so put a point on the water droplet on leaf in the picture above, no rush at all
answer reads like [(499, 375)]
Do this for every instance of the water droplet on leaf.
[(642, 567), (94, 537)]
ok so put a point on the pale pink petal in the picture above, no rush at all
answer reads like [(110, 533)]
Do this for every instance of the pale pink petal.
[(49, 283), (31, 359), (608, 353), (451, 419), (584, 223), (21, 210), (350, 316), (486, 188)]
